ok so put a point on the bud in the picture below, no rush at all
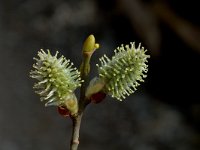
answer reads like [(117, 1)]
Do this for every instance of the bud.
[(89, 44), (63, 111), (98, 97), (95, 86), (72, 104)]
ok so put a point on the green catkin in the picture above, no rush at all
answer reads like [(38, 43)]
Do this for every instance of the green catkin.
[(57, 79), (123, 72)]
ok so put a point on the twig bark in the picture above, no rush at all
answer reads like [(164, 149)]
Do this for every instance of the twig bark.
[(75, 133), (82, 104)]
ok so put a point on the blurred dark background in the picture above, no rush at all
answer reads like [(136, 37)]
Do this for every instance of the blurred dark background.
[(164, 113)]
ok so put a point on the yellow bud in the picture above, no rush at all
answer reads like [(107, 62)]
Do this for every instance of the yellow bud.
[(72, 105), (96, 46), (95, 86), (89, 44)]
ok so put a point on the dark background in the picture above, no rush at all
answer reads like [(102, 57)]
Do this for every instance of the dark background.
[(164, 113)]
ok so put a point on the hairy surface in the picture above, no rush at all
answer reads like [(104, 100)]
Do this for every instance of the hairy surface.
[(57, 79), (123, 72)]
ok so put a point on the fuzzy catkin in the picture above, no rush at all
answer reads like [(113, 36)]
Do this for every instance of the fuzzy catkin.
[(57, 79), (124, 71)]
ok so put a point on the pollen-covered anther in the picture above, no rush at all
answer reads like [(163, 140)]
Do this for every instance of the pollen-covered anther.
[(123, 72)]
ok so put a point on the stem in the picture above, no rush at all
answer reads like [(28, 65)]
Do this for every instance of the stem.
[(85, 69), (89, 47), (77, 119), (75, 132)]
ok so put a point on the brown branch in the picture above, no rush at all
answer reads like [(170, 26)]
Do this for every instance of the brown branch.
[(75, 133), (77, 119)]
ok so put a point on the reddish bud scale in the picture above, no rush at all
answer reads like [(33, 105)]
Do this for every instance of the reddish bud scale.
[(98, 97), (63, 111)]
